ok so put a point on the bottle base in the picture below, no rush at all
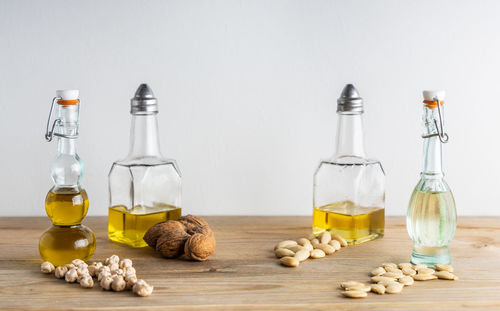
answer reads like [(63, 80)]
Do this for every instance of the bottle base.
[(60, 245), (358, 239), (430, 255), (121, 237)]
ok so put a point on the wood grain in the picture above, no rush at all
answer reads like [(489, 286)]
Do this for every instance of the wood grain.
[(243, 273)]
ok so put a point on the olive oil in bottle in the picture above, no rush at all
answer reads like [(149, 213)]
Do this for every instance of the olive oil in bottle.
[(356, 224), (66, 207), (129, 227)]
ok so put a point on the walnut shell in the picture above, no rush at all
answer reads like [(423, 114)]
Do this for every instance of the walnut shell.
[(153, 234), (200, 246), (171, 243), (195, 224)]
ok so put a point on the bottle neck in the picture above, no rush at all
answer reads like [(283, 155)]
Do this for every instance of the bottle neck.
[(144, 138), (432, 157), (66, 146), (432, 145), (350, 140)]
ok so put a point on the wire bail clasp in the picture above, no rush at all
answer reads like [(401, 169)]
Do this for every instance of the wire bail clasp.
[(49, 132), (443, 136)]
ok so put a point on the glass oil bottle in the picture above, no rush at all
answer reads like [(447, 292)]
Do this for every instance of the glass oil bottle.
[(431, 217), (145, 187), (67, 202), (349, 188)]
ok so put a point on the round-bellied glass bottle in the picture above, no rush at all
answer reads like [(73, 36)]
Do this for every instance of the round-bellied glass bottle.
[(67, 202), (431, 219)]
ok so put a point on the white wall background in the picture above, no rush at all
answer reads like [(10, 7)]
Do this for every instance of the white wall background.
[(247, 93)]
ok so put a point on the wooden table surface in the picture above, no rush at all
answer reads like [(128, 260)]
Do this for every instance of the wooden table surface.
[(244, 274)]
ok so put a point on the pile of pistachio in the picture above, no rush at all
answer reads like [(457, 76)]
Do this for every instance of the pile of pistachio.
[(291, 252), (391, 278)]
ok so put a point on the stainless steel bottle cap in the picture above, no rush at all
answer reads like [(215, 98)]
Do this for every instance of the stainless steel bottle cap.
[(349, 101), (144, 101)]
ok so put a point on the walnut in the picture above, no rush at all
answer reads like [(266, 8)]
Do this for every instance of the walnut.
[(171, 243), (195, 224), (154, 233), (200, 246)]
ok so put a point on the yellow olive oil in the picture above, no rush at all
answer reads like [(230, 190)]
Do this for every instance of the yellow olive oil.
[(60, 244), (354, 223), (129, 226), (66, 208), (66, 239)]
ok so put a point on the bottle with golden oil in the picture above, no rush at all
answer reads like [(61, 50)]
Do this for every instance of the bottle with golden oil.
[(145, 187), (349, 188), (431, 219), (67, 202)]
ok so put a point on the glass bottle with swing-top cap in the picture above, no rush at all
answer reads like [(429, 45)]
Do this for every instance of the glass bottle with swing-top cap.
[(431, 219), (67, 202)]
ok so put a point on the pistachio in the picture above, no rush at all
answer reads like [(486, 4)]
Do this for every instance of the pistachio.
[(289, 261), (390, 265), (443, 267), (325, 237), (335, 244), (446, 275), (378, 288), (406, 280), (420, 266), (377, 271), (347, 284), (354, 293), (394, 288), (317, 253), (408, 271), (380, 278), (424, 277), (405, 265), (426, 271), (302, 255), (341, 240), (285, 244), (328, 249), (282, 252)]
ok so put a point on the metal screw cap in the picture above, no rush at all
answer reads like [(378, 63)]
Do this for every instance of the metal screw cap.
[(349, 101), (144, 101)]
